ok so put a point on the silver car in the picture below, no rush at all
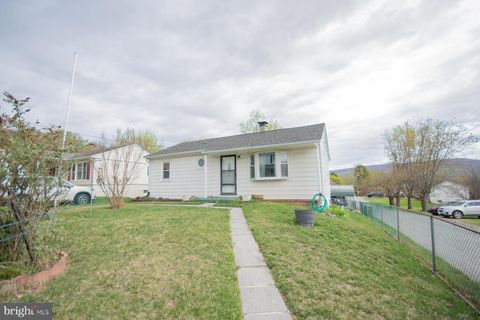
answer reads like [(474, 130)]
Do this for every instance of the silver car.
[(458, 209)]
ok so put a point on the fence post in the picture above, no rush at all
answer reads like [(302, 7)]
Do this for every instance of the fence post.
[(381, 216), (434, 265), (398, 224)]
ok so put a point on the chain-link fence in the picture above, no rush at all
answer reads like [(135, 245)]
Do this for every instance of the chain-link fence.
[(452, 250)]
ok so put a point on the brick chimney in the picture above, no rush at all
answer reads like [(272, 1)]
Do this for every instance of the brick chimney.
[(262, 126)]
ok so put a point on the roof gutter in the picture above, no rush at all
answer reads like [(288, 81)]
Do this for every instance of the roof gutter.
[(166, 155)]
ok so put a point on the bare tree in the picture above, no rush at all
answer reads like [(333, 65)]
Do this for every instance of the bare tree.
[(472, 181), (419, 149), (435, 142), (251, 125), (390, 183), (400, 146), (117, 169), (146, 139), (385, 181)]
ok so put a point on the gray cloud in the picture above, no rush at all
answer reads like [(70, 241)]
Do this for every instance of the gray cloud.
[(187, 70)]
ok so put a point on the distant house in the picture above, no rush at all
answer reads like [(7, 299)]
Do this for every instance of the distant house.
[(447, 191), (290, 164), (88, 166), (342, 191)]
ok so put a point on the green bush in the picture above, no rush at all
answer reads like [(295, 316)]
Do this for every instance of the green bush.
[(338, 211)]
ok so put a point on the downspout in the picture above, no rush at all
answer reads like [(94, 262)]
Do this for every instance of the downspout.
[(319, 169), (205, 172)]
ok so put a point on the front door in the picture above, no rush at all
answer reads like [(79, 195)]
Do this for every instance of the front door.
[(228, 175)]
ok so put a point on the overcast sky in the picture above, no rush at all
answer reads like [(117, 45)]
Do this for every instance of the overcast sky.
[(195, 69)]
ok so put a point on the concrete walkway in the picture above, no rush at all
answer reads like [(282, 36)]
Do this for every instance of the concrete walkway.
[(261, 299)]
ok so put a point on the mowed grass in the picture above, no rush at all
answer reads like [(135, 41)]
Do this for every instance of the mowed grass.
[(144, 262), (416, 206), (347, 268)]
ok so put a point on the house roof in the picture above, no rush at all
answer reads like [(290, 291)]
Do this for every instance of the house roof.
[(446, 182), (92, 153), (248, 140), (342, 191)]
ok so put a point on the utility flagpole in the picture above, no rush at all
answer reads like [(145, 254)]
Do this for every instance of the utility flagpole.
[(66, 125), (69, 100)]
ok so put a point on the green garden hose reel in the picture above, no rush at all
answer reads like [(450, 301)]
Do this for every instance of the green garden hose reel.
[(319, 203)]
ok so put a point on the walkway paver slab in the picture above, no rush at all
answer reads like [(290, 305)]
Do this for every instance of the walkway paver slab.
[(268, 316), (246, 257), (240, 229), (255, 276), (262, 299)]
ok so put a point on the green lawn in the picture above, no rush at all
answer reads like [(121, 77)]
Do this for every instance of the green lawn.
[(347, 268), (144, 262), (416, 204), (418, 207)]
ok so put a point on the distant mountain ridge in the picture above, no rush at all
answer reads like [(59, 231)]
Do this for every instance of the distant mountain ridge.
[(453, 165)]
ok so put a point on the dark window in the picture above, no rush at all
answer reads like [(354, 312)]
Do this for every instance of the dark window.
[(252, 166), (267, 164), (166, 170), (72, 173), (201, 162)]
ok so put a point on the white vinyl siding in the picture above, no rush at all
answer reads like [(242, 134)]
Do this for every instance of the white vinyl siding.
[(186, 178), (135, 188), (301, 183), (300, 166)]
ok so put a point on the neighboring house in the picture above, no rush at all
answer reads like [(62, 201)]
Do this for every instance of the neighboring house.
[(342, 191), (88, 166), (290, 164), (448, 191)]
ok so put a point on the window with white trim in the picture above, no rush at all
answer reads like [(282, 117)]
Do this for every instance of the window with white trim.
[(166, 170), (81, 171), (283, 163), (267, 164)]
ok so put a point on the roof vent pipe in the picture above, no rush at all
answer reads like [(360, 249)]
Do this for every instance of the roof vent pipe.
[(262, 126)]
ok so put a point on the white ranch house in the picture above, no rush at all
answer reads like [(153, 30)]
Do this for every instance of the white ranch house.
[(289, 164), (86, 167), (448, 191)]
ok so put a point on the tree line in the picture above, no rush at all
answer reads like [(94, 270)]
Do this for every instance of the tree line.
[(146, 139)]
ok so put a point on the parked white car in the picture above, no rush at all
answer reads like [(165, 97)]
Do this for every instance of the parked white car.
[(458, 209), (73, 193)]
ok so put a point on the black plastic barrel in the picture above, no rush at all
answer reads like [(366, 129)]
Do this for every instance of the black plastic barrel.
[(305, 218)]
